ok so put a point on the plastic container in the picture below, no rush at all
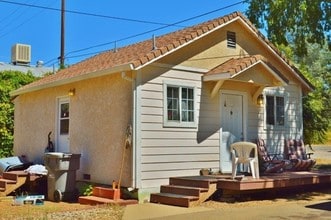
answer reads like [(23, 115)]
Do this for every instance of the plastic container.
[(61, 178)]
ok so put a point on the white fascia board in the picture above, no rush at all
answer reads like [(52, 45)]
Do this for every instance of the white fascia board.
[(120, 68), (217, 76), (180, 67)]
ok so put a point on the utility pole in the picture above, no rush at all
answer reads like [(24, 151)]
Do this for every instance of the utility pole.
[(62, 33)]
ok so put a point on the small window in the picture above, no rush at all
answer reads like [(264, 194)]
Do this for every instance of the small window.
[(275, 110), (231, 39), (180, 107), (64, 118)]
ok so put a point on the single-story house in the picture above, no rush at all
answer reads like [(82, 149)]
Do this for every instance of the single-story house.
[(187, 95)]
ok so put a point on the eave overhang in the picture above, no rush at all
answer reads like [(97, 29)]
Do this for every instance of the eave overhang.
[(35, 87)]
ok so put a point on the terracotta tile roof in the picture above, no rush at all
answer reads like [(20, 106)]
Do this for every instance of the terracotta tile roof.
[(141, 53), (237, 65)]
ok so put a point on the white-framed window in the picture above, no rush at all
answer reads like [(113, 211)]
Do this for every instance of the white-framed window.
[(179, 105), (275, 103)]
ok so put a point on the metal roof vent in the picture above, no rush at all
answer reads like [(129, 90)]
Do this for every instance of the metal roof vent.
[(21, 54), (154, 43)]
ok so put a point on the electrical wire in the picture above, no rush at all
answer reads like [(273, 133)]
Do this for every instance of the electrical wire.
[(12, 17), (83, 13), (156, 29), (164, 25), (139, 34), (21, 24)]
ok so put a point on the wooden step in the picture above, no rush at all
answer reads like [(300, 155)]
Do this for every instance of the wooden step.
[(182, 190), (95, 200), (5, 182), (9, 185), (10, 176), (189, 182), (173, 199), (108, 193)]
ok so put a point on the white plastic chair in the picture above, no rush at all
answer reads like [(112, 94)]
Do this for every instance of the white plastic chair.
[(241, 154)]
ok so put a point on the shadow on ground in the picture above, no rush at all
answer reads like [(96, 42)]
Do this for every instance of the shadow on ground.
[(326, 206)]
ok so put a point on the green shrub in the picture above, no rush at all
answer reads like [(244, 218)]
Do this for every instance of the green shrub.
[(86, 189)]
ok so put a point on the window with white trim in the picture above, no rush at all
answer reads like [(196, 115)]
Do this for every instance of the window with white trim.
[(180, 106), (275, 110)]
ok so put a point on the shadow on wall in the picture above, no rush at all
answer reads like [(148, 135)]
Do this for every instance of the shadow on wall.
[(209, 114)]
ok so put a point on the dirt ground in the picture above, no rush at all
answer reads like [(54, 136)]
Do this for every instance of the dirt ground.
[(308, 202)]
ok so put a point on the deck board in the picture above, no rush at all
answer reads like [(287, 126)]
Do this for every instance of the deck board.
[(281, 180)]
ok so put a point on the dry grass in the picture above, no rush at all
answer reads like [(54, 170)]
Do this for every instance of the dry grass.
[(323, 164), (53, 210), (328, 142)]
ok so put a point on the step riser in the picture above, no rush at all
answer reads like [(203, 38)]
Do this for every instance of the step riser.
[(190, 183), (180, 191), (182, 202), (9, 176), (3, 184), (89, 202), (107, 193), (92, 200)]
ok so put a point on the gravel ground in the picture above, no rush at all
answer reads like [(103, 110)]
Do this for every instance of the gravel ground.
[(95, 213)]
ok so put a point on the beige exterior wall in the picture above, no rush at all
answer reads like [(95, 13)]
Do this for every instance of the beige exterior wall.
[(100, 111)]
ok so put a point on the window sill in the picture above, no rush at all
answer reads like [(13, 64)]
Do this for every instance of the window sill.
[(180, 125)]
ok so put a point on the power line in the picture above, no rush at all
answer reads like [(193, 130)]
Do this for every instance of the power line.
[(21, 24), (83, 13), (164, 25), (140, 34)]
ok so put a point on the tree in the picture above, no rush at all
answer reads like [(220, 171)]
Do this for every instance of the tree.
[(9, 80), (317, 104), (302, 30), (294, 22), (316, 66)]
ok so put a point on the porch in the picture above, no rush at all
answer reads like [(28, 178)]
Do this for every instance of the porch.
[(192, 190)]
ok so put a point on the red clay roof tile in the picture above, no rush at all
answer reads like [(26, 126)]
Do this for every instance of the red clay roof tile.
[(236, 65), (140, 53)]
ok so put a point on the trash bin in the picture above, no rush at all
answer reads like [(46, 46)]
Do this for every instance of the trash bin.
[(61, 178)]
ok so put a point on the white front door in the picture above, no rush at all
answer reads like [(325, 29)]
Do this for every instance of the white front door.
[(232, 129), (62, 142)]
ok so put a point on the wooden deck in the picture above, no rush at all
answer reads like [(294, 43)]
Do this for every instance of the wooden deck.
[(178, 192), (276, 181)]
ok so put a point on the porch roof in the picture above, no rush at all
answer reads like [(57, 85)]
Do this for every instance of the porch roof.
[(234, 67), (237, 69)]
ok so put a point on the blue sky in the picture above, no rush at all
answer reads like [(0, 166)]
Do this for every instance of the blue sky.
[(24, 21)]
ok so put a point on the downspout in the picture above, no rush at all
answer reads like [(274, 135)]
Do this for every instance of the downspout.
[(135, 182), (137, 132), (134, 126)]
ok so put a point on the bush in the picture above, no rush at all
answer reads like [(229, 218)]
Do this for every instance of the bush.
[(9, 81)]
